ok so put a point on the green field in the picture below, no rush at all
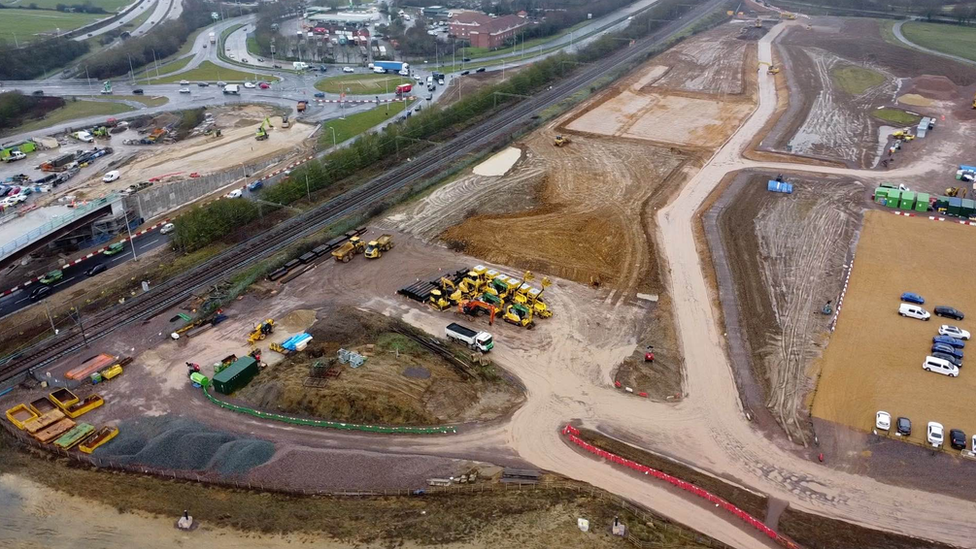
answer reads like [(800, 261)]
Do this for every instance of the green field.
[(361, 84), (71, 111), (951, 39), (357, 123), (856, 80), (209, 72), (896, 116), (150, 70), (24, 23), (110, 6), (147, 100)]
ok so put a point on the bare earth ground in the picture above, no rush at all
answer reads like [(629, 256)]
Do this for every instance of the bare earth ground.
[(849, 391), (787, 254)]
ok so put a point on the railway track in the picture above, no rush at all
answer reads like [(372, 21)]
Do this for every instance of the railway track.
[(255, 249)]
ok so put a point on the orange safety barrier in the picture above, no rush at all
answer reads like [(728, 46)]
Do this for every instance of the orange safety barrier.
[(573, 434)]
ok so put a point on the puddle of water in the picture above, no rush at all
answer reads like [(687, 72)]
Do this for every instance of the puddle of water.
[(883, 133), (499, 163)]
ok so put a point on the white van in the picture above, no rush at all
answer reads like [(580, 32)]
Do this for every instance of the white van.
[(913, 311), (939, 366)]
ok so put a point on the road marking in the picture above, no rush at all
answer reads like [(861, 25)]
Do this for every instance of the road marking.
[(120, 258), (21, 301), (151, 242), (64, 281)]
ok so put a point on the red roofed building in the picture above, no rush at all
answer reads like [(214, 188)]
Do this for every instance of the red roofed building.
[(484, 31)]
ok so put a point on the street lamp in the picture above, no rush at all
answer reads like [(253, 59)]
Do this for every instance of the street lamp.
[(333, 137)]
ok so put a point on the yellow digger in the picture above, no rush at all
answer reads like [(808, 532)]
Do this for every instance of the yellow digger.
[(904, 135), (520, 315), (560, 141), (350, 248), (262, 133), (532, 297), (956, 191), (437, 300), (261, 331)]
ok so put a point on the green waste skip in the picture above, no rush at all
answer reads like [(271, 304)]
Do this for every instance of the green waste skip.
[(385, 429)]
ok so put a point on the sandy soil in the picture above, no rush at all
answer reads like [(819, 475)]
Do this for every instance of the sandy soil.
[(870, 326), (499, 163), (787, 254), (710, 62)]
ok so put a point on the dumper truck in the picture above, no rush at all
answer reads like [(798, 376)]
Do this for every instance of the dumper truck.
[(350, 248), (475, 340), (375, 248)]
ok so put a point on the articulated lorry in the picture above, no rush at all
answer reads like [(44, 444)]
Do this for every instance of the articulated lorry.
[(391, 66), (474, 339)]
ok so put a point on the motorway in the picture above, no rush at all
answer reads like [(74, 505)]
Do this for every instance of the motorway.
[(165, 9)]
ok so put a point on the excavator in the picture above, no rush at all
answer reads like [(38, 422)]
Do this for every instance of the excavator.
[(560, 141), (437, 300), (262, 133), (974, 101), (473, 307), (520, 315), (956, 191), (532, 297), (261, 331)]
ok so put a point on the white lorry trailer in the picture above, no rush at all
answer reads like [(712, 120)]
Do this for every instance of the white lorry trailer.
[(474, 339)]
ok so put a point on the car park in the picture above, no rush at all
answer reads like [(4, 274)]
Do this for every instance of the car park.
[(40, 292), (184, 90), (935, 434), (111, 176), (949, 358), (913, 311), (940, 366), (903, 427), (947, 349), (910, 297), (951, 341), (949, 312), (953, 331), (114, 249), (101, 268), (348, 69), (957, 439), (883, 421), (167, 228)]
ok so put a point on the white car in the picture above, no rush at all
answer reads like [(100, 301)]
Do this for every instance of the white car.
[(236, 193), (167, 228), (15, 156), (221, 83), (953, 331), (250, 85), (440, 82), (184, 90), (111, 176), (935, 434), (14, 200), (883, 421), (913, 311), (348, 69), (184, 82)]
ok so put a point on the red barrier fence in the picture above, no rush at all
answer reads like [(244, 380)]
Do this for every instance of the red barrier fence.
[(573, 434)]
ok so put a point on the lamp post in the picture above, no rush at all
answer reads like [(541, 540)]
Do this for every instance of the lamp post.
[(333, 137)]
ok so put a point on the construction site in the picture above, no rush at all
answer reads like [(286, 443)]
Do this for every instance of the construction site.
[(684, 291)]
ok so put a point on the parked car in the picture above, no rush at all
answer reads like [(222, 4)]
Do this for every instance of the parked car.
[(951, 341), (319, 95), (101, 268), (264, 85), (883, 421), (114, 249), (184, 90), (15, 156), (910, 297), (949, 358), (903, 426), (913, 311), (466, 60), (482, 69), (465, 73), (256, 185), (250, 85), (203, 84), (440, 82), (138, 91), (184, 82), (167, 228), (957, 439), (934, 434), (949, 312), (40, 292), (348, 69), (221, 83), (111, 176), (953, 331), (940, 366), (236, 193), (947, 349)]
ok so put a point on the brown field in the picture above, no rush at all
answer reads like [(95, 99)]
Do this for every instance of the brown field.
[(874, 358)]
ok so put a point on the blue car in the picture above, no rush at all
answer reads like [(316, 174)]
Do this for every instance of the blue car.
[(951, 341), (255, 185), (909, 297), (947, 349), (320, 95)]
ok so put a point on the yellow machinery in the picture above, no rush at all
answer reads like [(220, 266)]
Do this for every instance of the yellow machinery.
[(261, 331), (375, 248), (350, 248), (560, 141), (471, 307), (262, 133), (284, 122), (438, 301), (790, 16), (903, 135), (773, 69), (974, 101), (952, 191), (532, 297), (520, 315)]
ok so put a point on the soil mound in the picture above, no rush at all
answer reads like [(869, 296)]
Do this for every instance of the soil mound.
[(915, 99), (298, 320), (933, 87)]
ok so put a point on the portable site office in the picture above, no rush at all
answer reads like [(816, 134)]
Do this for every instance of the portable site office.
[(235, 376)]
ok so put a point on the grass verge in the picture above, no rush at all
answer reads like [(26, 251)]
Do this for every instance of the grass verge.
[(71, 111), (360, 84), (951, 39), (356, 124), (25, 23), (148, 101), (897, 117), (856, 80), (209, 72), (150, 73)]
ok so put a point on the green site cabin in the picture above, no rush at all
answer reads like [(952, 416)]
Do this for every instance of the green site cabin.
[(235, 376), (908, 200), (922, 202)]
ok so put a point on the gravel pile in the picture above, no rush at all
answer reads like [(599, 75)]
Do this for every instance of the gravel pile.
[(176, 443)]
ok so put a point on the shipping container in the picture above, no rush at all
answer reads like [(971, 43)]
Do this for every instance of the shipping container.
[(968, 208), (235, 376), (908, 200), (894, 198), (922, 202), (779, 187), (880, 195), (954, 205)]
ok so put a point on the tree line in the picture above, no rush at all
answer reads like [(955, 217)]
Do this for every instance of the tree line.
[(35, 59)]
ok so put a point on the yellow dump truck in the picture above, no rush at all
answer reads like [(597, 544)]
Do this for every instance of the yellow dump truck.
[(351, 247), (375, 248)]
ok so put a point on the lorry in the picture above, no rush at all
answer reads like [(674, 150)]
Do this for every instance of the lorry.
[(351, 247), (391, 66), (375, 248), (302, 105), (213, 38), (403, 88), (232, 89), (474, 339)]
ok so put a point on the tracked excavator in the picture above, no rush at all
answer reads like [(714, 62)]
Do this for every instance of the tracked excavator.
[(520, 315), (262, 132), (473, 307)]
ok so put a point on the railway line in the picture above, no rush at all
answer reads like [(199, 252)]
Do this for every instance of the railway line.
[(166, 295)]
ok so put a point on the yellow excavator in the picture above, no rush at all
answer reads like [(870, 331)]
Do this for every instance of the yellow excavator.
[(974, 101), (560, 141), (956, 191), (261, 331), (532, 297), (517, 314), (262, 133), (438, 301)]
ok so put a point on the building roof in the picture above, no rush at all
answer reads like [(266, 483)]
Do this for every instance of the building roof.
[(487, 24)]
